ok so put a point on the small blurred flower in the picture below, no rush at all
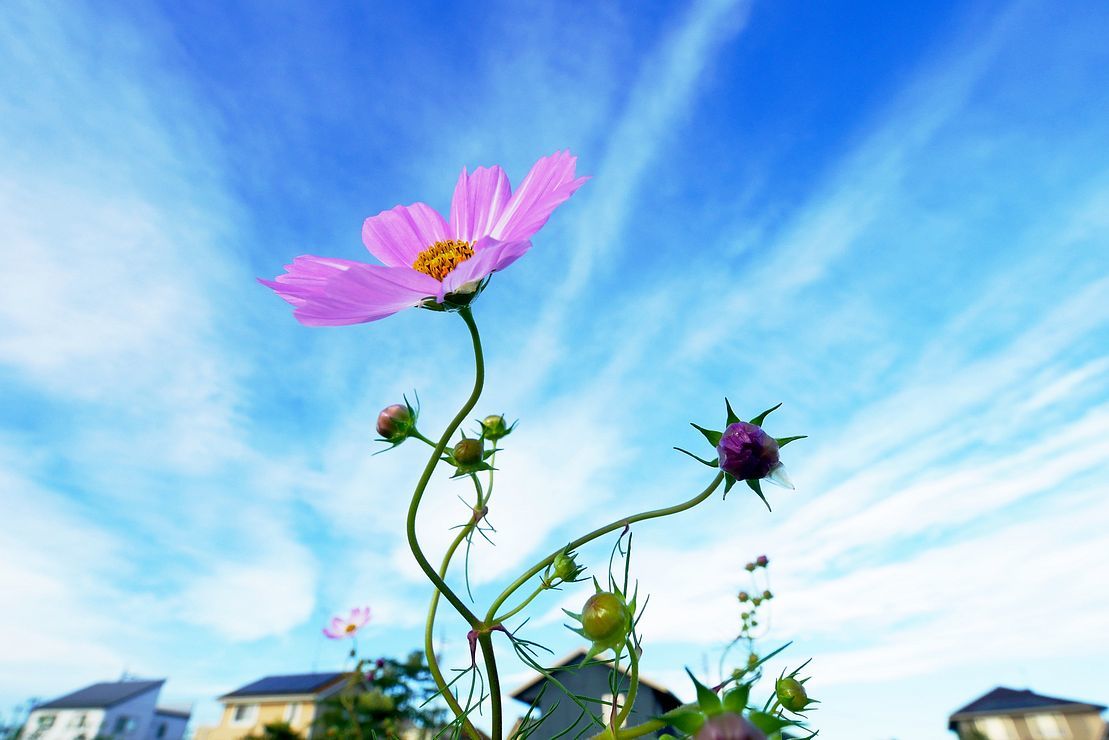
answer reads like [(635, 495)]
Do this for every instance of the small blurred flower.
[(762, 561), (340, 628), (729, 726)]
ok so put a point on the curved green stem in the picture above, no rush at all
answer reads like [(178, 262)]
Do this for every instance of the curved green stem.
[(599, 532), (437, 579), (417, 495), (652, 725), (633, 687), (518, 609), (429, 630)]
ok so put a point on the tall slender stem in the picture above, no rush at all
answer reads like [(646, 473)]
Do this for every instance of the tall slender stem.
[(599, 532), (633, 687), (437, 579), (485, 640), (433, 460)]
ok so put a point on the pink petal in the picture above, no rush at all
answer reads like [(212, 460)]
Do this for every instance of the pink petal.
[(331, 292), (331, 634), (479, 199), (490, 255), (396, 236), (549, 183)]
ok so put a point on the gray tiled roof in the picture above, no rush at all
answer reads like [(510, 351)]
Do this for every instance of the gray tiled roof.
[(303, 683), (1002, 700), (102, 695)]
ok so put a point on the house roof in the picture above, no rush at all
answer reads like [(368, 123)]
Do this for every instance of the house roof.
[(666, 697), (1013, 701), (301, 683), (169, 712), (102, 695)]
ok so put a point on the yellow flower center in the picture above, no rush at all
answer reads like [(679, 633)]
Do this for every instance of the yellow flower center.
[(442, 257), (351, 628)]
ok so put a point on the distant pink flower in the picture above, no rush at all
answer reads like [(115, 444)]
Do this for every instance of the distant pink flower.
[(425, 256), (340, 628)]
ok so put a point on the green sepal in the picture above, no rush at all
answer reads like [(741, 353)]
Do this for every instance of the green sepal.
[(758, 420), (707, 699), (783, 441), (756, 486), (684, 719), (732, 418), (712, 436), (711, 463), (769, 723), (572, 615), (736, 699), (467, 469), (729, 481)]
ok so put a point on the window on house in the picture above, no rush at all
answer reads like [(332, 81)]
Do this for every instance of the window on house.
[(161, 730), (124, 725), (46, 721), (997, 728), (244, 714), (291, 713), (1048, 726)]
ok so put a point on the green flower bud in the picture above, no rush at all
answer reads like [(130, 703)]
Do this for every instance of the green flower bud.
[(791, 694), (605, 618), (494, 427), (767, 596), (750, 567), (752, 659), (469, 452), (756, 601), (744, 596), (565, 568)]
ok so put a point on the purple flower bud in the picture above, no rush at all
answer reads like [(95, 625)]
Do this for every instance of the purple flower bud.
[(762, 561), (380, 662), (394, 422), (729, 726), (747, 452)]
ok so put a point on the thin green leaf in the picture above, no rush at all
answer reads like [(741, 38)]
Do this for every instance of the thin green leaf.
[(711, 463), (711, 435), (732, 418), (758, 420), (757, 488), (783, 441), (707, 699)]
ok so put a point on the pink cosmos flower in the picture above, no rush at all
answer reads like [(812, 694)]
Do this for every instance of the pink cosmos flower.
[(340, 628), (426, 257)]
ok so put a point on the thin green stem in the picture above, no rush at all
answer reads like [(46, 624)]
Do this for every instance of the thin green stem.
[(501, 619), (599, 532), (652, 725), (441, 587), (429, 630), (421, 486), (633, 687), (485, 639)]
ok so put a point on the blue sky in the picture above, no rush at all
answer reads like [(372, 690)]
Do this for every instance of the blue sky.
[(894, 218)]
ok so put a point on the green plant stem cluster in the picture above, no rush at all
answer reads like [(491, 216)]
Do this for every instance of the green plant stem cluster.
[(483, 627)]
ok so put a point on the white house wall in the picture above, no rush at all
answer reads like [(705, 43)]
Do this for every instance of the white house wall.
[(67, 724)]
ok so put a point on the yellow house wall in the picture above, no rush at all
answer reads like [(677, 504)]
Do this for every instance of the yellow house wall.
[(268, 713)]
